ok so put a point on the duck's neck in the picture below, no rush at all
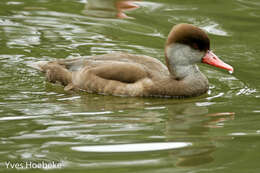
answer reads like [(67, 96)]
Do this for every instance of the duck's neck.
[(181, 59)]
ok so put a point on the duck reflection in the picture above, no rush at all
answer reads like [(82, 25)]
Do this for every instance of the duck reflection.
[(193, 123), (109, 8), (159, 120), (195, 156)]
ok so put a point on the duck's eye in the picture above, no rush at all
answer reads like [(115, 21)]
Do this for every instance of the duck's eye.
[(195, 46)]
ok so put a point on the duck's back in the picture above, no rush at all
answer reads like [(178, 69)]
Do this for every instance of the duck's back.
[(154, 67), (114, 73)]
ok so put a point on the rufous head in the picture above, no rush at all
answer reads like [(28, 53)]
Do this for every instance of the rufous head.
[(195, 44), (190, 35)]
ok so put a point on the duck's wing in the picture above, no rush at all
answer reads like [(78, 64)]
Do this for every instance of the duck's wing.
[(125, 72), (153, 65), (115, 73), (113, 78)]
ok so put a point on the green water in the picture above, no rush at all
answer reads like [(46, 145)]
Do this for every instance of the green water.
[(39, 122)]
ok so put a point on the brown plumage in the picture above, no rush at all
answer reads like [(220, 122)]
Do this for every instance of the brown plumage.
[(189, 35), (138, 75)]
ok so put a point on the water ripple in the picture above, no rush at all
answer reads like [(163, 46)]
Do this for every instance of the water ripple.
[(141, 147), (18, 118)]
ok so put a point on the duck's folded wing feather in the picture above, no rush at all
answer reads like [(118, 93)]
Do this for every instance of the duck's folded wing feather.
[(120, 71)]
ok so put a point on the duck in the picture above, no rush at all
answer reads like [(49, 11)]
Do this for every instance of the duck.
[(125, 74)]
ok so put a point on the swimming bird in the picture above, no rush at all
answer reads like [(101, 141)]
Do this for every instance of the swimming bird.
[(124, 74)]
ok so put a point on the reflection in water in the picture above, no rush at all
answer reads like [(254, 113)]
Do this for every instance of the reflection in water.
[(195, 156), (109, 8), (218, 119), (183, 120), (189, 119), (120, 120)]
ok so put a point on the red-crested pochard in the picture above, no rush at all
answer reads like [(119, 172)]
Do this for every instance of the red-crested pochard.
[(124, 74)]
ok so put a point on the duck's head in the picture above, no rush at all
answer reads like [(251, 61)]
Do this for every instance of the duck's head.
[(187, 45)]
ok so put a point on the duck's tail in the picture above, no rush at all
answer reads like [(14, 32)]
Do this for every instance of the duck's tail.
[(54, 72), (38, 65)]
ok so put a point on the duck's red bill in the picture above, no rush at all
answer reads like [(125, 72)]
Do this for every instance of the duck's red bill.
[(212, 59)]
